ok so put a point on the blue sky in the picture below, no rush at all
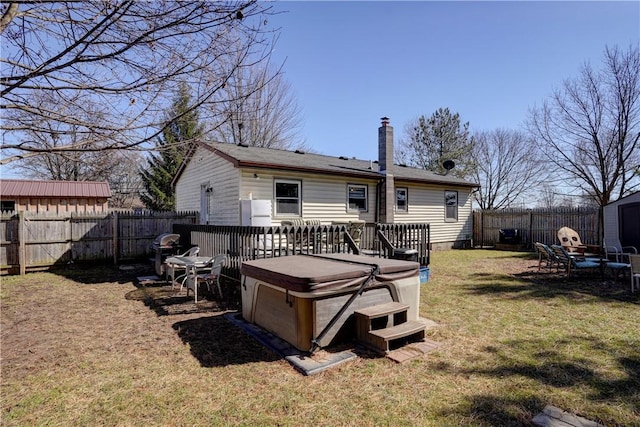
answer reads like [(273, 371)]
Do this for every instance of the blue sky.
[(351, 63)]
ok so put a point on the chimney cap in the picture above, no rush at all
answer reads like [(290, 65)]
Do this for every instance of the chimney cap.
[(385, 121)]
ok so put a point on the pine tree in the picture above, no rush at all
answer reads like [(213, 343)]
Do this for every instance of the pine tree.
[(173, 147), (431, 141)]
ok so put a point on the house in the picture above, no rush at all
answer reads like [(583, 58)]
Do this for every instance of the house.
[(54, 197), (621, 223), (313, 186)]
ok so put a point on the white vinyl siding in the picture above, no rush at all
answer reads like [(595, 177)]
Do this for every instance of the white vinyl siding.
[(426, 205), (221, 176), (323, 197)]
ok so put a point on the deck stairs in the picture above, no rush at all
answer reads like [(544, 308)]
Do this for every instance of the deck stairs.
[(385, 327)]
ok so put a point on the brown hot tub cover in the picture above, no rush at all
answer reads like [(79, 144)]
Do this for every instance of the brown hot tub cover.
[(314, 273)]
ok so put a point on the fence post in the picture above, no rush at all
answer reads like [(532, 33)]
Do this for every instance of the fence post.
[(114, 232), (22, 262)]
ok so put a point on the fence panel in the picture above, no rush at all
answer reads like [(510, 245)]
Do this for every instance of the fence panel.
[(137, 230), (91, 237), (47, 240), (535, 225)]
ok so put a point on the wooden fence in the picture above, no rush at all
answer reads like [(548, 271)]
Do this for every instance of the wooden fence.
[(32, 241), (535, 225)]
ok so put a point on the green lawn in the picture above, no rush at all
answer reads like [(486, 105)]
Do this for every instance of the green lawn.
[(83, 348)]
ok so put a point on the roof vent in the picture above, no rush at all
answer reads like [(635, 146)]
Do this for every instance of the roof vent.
[(240, 144), (344, 158), (299, 151)]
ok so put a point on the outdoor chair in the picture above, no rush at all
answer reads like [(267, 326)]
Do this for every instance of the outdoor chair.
[(571, 263), (613, 248), (546, 256), (210, 275), (617, 268), (300, 239), (570, 241), (355, 229), (634, 260), (171, 269)]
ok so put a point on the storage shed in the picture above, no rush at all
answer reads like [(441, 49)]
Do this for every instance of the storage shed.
[(622, 221), (54, 197)]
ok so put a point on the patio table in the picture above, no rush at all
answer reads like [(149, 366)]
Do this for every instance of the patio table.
[(184, 263)]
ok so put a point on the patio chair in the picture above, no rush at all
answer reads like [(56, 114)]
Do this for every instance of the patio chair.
[(300, 239), (209, 275), (546, 255), (172, 268), (571, 263), (570, 241), (612, 247), (355, 229), (634, 260)]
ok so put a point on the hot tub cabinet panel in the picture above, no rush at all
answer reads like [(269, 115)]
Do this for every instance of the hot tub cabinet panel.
[(296, 297)]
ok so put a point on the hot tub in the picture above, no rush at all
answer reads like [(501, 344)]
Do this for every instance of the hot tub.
[(296, 297)]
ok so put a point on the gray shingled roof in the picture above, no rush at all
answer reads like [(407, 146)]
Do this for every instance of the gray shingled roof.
[(34, 188), (270, 158)]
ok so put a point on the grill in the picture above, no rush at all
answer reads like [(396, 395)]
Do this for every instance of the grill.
[(163, 246), (509, 235)]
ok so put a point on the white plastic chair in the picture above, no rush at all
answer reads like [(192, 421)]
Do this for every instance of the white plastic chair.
[(635, 271), (621, 253), (172, 268), (209, 275)]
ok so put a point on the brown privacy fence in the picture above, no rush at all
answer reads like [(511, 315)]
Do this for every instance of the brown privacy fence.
[(31, 241), (534, 225), (246, 243)]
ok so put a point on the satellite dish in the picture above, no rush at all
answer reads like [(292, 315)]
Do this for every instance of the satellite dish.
[(448, 165)]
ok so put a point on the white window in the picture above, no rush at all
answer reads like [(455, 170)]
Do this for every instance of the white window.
[(357, 198), (287, 195), (402, 199), (451, 206)]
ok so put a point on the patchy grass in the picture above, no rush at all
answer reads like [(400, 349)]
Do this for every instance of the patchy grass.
[(88, 347)]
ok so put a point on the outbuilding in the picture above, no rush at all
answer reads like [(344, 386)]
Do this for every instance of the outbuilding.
[(622, 221), (55, 197)]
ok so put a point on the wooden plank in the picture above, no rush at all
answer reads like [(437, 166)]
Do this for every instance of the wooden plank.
[(399, 331), (381, 310)]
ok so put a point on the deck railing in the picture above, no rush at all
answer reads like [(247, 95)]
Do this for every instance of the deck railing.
[(242, 243)]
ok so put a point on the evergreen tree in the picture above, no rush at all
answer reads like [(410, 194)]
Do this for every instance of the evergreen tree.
[(177, 143), (429, 142)]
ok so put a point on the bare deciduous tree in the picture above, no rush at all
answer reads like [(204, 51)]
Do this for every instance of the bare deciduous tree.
[(261, 110), (126, 57), (506, 166), (589, 129)]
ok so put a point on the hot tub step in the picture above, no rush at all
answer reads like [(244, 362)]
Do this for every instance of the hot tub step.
[(385, 326), (383, 309), (383, 340)]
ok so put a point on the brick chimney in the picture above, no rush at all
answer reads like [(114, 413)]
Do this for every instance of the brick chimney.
[(385, 146), (385, 163)]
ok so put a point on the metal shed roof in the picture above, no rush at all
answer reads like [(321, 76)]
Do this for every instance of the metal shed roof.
[(29, 188)]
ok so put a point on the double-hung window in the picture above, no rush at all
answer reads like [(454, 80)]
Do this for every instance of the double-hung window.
[(402, 199), (357, 198), (451, 206), (287, 197)]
